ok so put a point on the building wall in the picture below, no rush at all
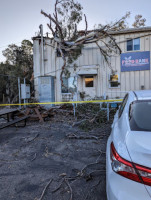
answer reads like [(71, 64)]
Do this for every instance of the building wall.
[(91, 59), (132, 80)]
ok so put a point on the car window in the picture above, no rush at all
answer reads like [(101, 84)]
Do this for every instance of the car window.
[(140, 116), (123, 105)]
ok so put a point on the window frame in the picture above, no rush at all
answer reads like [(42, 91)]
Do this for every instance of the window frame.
[(88, 76), (129, 39), (121, 109), (74, 77)]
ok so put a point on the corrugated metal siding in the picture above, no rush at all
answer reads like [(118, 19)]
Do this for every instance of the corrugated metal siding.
[(91, 55), (132, 80)]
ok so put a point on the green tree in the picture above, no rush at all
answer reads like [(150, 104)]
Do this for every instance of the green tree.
[(4, 69), (21, 59), (19, 63)]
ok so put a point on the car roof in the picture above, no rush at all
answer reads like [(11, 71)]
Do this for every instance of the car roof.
[(142, 94)]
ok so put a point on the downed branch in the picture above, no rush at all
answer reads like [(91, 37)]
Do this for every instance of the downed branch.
[(34, 138), (81, 174), (44, 191), (73, 136), (64, 180), (79, 122), (63, 26), (67, 182), (35, 155), (95, 117), (86, 166), (58, 188)]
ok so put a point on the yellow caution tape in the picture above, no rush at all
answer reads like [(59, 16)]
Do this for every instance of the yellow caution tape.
[(69, 102)]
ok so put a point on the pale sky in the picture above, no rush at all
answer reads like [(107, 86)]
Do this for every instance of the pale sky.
[(20, 19)]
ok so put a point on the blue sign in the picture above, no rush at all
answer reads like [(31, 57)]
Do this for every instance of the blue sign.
[(113, 105), (135, 61)]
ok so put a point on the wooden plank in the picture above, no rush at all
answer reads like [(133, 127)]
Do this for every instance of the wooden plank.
[(38, 114), (27, 111), (7, 111), (14, 122)]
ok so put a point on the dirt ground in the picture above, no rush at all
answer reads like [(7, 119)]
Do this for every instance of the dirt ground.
[(53, 160)]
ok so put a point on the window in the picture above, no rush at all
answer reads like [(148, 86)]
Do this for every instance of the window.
[(139, 115), (89, 81), (133, 44), (69, 85), (114, 81), (123, 105)]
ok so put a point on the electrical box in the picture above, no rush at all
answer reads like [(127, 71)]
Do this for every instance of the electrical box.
[(25, 91), (46, 90)]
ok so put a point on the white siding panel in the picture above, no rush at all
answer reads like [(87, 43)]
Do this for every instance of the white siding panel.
[(147, 79), (122, 74), (127, 81), (123, 81), (147, 72), (137, 81), (90, 54), (142, 79), (132, 81), (85, 57)]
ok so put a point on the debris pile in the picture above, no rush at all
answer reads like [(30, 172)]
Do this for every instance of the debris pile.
[(85, 116)]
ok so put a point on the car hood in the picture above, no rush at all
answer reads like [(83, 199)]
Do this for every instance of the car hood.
[(139, 147)]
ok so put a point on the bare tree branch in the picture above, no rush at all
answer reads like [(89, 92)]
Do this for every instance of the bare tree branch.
[(67, 182), (86, 28), (55, 22), (68, 38), (43, 192)]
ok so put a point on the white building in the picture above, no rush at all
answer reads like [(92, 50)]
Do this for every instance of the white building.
[(93, 77)]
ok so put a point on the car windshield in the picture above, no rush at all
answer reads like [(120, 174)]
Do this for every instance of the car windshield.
[(140, 116)]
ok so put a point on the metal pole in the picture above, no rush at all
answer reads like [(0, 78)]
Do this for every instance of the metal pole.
[(9, 91), (19, 92), (42, 50), (108, 112), (77, 89), (100, 106), (25, 90), (104, 96), (74, 109)]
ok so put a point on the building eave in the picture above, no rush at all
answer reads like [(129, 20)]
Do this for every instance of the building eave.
[(132, 30)]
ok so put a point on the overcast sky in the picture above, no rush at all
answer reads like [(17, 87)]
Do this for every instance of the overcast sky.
[(20, 19)]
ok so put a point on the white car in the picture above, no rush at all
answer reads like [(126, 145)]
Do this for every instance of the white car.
[(128, 154)]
